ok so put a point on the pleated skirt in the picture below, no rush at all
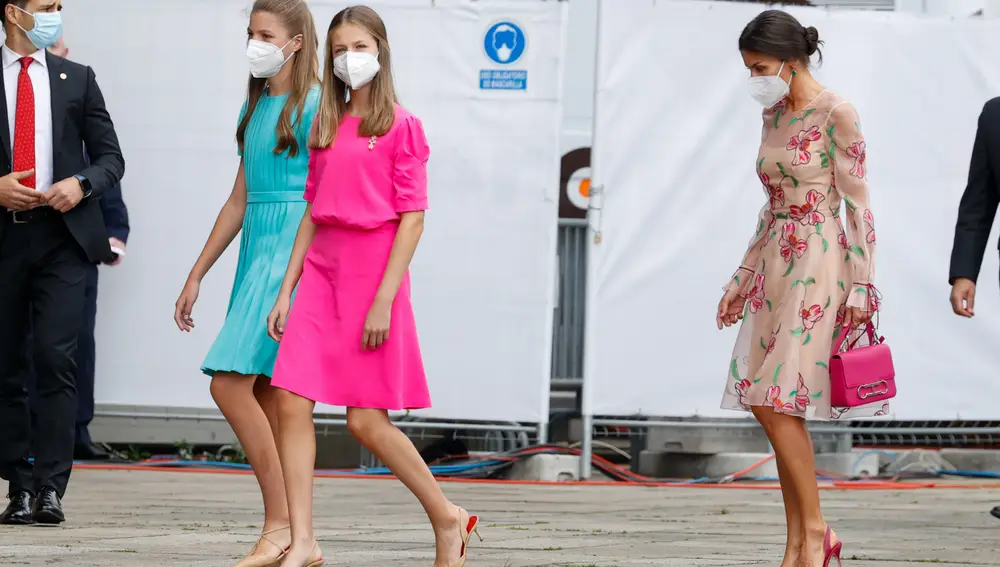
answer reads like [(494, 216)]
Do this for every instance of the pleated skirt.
[(269, 227)]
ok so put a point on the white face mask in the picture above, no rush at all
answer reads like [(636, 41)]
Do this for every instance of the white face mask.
[(266, 59), (355, 68), (768, 90)]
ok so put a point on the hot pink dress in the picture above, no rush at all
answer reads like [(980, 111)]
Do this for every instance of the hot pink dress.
[(358, 187)]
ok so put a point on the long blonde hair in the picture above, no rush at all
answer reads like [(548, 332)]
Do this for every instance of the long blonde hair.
[(298, 20), (333, 101)]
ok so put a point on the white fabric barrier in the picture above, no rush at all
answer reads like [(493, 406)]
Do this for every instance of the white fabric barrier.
[(675, 139), (174, 76)]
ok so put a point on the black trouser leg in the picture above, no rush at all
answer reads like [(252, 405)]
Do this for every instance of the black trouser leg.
[(15, 422), (28, 370), (58, 288), (86, 352)]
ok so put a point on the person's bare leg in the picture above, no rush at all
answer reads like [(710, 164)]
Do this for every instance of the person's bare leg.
[(268, 400), (372, 428), (297, 449), (234, 394), (793, 446), (793, 514)]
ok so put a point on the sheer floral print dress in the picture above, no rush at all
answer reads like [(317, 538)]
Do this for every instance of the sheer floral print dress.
[(802, 270)]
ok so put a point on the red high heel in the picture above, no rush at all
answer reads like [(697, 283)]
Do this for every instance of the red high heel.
[(472, 527), (831, 551)]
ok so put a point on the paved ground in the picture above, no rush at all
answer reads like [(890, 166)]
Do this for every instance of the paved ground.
[(148, 519)]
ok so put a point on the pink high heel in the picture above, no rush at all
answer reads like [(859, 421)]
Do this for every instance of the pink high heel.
[(831, 551)]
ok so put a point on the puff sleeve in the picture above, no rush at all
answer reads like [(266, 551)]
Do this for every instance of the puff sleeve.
[(409, 172), (312, 177), (309, 111)]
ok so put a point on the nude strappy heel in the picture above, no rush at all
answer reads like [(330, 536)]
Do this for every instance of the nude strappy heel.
[(252, 560)]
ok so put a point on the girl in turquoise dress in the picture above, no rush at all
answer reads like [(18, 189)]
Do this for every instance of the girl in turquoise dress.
[(266, 204)]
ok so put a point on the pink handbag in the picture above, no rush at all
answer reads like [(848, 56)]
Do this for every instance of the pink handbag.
[(862, 375)]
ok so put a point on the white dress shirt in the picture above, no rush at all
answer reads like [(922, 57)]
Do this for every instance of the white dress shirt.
[(39, 73)]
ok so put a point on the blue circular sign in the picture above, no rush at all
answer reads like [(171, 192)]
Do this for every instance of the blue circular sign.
[(504, 42)]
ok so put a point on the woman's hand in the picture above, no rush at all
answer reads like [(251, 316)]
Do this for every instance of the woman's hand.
[(730, 309), (184, 305), (279, 314), (856, 316), (376, 325)]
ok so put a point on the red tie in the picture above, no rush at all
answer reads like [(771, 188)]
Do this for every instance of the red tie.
[(24, 124)]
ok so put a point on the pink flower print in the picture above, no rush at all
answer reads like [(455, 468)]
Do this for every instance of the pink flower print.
[(773, 341), (838, 322), (884, 410), (810, 315), (801, 395), (842, 240), (773, 398), (791, 244), (774, 193), (808, 213), (742, 389), (870, 221), (857, 151), (756, 295), (799, 143)]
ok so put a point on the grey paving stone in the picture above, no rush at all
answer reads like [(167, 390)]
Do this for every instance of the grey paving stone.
[(122, 518)]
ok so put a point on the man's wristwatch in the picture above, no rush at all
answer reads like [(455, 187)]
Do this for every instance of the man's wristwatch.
[(85, 185)]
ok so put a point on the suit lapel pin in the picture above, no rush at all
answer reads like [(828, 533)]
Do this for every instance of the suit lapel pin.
[(62, 76)]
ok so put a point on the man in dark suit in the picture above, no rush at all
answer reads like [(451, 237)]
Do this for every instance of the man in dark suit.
[(975, 215), (51, 232), (116, 222)]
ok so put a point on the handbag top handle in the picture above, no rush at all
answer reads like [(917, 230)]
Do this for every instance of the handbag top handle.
[(845, 332)]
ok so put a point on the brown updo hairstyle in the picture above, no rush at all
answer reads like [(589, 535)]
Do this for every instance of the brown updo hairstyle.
[(778, 34)]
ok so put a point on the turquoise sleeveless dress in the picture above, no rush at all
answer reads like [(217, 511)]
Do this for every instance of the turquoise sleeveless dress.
[(275, 205)]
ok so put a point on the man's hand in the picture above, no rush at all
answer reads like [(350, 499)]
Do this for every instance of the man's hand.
[(119, 245), (17, 197), (65, 195), (963, 297)]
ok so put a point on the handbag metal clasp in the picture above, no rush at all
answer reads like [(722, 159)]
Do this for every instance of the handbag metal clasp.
[(872, 391)]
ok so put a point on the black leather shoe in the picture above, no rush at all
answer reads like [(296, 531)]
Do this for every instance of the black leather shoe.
[(48, 508), (18, 512), (90, 452), (995, 512)]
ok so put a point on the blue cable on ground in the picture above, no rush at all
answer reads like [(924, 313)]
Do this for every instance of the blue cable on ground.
[(435, 469), (970, 474)]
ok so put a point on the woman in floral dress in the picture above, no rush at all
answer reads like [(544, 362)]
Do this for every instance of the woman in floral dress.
[(803, 276)]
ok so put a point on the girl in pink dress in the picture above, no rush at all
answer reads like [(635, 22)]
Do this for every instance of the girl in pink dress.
[(366, 193)]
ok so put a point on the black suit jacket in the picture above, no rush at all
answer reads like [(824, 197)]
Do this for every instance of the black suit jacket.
[(79, 118), (115, 213), (114, 210), (979, 203)]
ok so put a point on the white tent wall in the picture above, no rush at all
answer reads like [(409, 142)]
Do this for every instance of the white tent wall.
[(174, 76), (675, 138)]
